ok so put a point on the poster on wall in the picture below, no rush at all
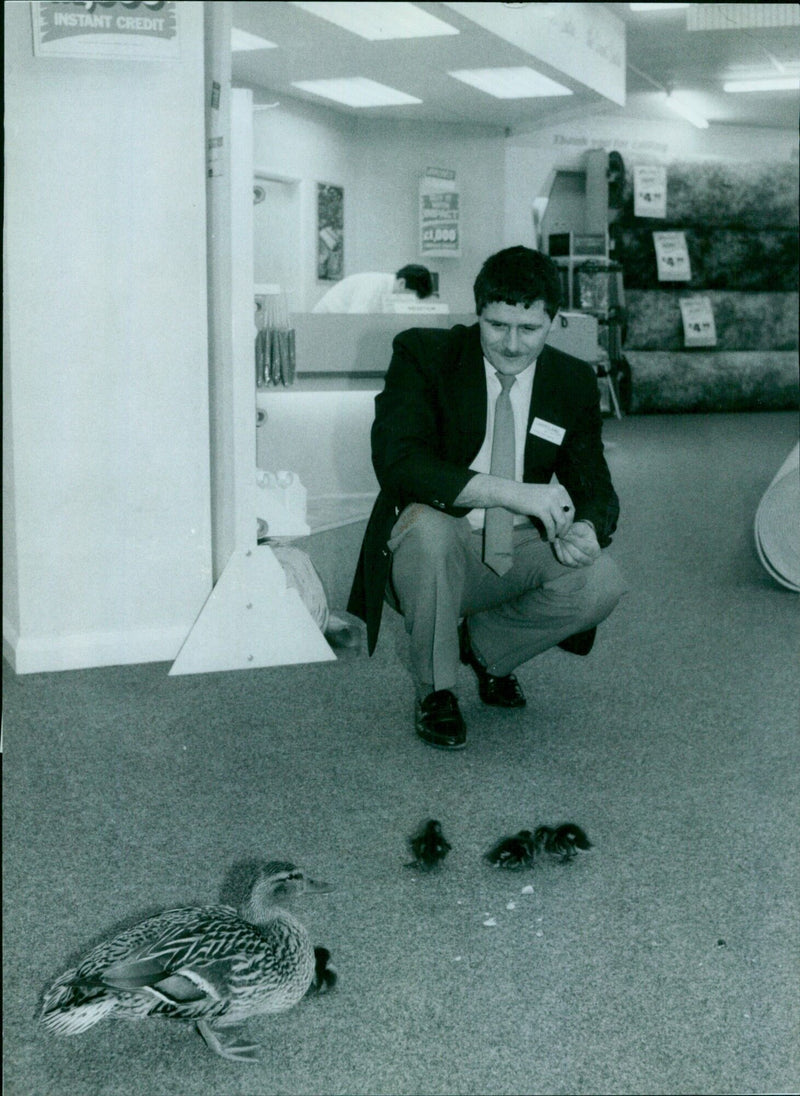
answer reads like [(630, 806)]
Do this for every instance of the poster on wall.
[(330, 232), (439, 227), (672, 257), (146, 31), (649, 191), (699, 328)]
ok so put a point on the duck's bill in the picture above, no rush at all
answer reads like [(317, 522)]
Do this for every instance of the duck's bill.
[(318, 886)]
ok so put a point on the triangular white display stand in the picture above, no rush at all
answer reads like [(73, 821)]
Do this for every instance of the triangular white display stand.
[(251, 619)]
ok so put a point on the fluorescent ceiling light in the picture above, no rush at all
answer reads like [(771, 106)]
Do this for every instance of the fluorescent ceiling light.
[(377, 21), (243, 39), (679, 106), (655, 7), (356, 91), (769, 83), (511, 83)]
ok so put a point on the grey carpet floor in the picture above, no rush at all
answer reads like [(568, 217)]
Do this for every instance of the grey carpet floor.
[(665, 960)]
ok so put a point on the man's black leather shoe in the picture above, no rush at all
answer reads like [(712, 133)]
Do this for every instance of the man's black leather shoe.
[(439, 722), (502, 692)]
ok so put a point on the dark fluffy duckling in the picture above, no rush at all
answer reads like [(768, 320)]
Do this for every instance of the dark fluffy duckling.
[(514, 852), (429, 845), (325, 976), (563, 841)]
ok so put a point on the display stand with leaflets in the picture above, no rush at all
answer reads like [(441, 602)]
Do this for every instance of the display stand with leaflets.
[(593, 283)]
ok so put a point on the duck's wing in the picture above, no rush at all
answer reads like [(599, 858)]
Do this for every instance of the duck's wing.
[(139, 972), (184, 992), (138, 938), (188, 966)]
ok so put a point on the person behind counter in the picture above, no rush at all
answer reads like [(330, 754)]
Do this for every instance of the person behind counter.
[(425, 548), (365, 292)]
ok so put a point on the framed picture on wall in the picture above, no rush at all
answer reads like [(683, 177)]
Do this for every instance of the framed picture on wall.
[(330, 232)]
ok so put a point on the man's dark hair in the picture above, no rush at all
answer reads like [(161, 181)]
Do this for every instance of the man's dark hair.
[(417, 278), (518, 275)]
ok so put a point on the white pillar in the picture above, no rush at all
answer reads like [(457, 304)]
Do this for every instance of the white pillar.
[(251, 618)]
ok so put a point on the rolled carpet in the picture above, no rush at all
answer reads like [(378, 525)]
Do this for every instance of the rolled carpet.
[(777, 524)]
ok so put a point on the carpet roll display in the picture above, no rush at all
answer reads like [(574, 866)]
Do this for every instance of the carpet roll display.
[(776, 525), (715, 380)]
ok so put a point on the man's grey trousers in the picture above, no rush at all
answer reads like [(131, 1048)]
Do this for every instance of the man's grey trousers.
[(438, 577)]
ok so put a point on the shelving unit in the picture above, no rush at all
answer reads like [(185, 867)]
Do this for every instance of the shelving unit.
[(569, 251), (592, 285), (574, 230)]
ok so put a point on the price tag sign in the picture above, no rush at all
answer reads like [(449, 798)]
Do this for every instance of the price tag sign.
[(699, 328), (439, 227), (672, 257), (649, 191)]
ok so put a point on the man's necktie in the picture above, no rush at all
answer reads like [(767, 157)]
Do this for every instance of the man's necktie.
[(498, 528)]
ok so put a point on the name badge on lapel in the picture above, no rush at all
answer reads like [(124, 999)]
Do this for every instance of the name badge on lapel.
[(541, 428)]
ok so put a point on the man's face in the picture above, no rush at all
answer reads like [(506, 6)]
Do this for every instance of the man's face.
[(512, 336)]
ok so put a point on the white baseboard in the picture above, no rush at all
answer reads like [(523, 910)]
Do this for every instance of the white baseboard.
[(81, 651)]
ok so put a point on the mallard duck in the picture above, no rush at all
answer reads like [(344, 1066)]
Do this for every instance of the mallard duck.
[(429, 845), (213, 965), (513, 852), (563, 841)]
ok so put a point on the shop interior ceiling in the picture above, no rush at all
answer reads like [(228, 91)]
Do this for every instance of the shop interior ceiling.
[(664, 52)]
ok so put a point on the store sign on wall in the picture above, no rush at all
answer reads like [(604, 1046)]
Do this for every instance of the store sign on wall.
[(439, 227), (125, 30)]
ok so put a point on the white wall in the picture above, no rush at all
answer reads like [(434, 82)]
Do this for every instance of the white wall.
[(309, 145), (531, 158), (385, 221), (379, 164), (106, 496)]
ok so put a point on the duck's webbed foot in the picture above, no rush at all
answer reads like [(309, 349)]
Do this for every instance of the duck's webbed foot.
[(234, 1052)]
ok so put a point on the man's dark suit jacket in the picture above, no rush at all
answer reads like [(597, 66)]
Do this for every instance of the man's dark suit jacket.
[(430, 423)]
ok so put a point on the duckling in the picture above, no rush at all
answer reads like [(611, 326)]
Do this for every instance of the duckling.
[(514, 852), (564, 841), (429, 845), (325, 977), (212, 965)]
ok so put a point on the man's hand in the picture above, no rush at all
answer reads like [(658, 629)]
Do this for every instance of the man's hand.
[(550, 503), (577, 547)]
